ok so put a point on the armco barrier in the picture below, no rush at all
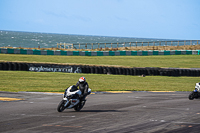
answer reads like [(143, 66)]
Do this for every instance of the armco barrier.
[(97, 53), (151, 71)]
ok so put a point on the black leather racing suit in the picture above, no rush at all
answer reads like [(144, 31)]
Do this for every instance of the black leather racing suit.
[(83, 87)]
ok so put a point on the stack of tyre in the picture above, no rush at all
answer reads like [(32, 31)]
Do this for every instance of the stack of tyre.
[(152, 71), (14, 66)]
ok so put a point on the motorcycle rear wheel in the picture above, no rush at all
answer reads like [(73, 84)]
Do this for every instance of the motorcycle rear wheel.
[(61, 107), (79, 106)]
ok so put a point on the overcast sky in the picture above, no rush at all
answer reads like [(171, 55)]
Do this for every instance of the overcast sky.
[(164, 19)]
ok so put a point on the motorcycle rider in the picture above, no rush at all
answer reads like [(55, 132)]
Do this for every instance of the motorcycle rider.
[(83, 87)]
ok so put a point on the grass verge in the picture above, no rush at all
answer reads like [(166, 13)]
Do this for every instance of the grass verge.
[(15, 81), (175, 61)]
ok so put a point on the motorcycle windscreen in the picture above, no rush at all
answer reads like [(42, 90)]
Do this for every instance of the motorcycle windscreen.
[(73, 88)]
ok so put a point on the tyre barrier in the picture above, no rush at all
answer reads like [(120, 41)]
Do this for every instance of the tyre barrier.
[(98, 53), (150, 71)]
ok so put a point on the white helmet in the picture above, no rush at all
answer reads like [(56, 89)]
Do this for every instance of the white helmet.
[(82, 80)]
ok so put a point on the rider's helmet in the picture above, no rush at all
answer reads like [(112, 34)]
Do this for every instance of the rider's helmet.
[(82, 80)]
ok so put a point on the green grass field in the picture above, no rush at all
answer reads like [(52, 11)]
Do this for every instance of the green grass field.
[(57, 82), (15, 81), (176, 61)]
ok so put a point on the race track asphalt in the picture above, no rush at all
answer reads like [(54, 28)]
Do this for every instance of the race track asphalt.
[(139, 112)]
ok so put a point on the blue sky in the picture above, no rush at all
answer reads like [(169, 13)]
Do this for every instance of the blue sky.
[(163, 19)]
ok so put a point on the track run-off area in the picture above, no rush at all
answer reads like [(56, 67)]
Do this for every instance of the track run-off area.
[(137, 111)]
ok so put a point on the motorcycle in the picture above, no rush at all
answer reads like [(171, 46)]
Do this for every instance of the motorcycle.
[(196, 93), (71, 99)]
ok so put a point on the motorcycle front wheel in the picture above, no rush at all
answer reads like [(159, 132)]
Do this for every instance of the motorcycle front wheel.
[(191, 96), (61, 107)]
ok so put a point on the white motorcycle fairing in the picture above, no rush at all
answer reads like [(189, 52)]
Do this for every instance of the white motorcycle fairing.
[(71, 99), (73, 102), (69, 93), (197, 87)]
